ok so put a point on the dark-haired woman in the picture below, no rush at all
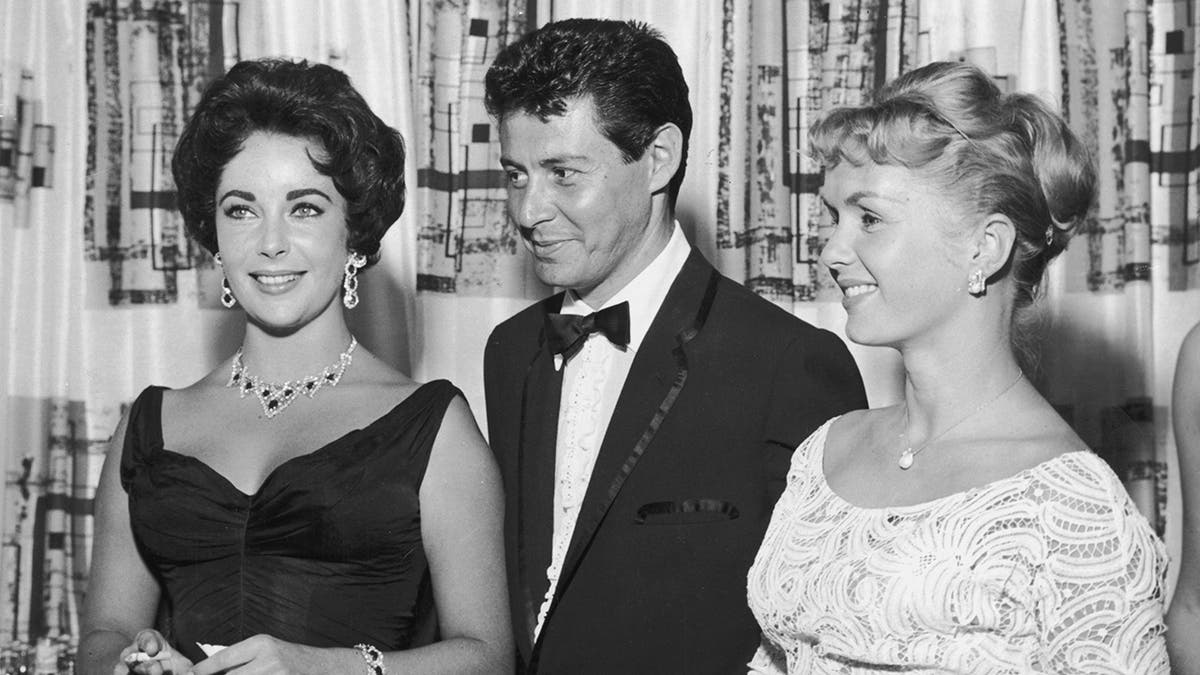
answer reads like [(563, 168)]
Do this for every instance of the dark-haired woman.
[(287, 512), (966, 529)]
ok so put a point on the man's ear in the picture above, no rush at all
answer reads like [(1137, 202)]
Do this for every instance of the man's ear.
[(993, 244), (665, 154)]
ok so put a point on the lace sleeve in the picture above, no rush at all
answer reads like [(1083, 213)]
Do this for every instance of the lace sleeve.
[(1104, 579), (768, 660)]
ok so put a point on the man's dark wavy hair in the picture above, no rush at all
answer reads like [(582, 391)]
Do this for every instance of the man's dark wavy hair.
[(362, 154), (625, 68)]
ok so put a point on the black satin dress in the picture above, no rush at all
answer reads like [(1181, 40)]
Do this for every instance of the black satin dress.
[(327, 553)]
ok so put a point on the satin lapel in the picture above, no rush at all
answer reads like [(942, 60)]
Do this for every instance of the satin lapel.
[(535, 488), (657, 376)]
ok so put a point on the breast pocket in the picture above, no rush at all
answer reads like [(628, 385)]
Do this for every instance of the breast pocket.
[(686, 512)]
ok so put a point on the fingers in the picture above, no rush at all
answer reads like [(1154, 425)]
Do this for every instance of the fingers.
[(127, 651), (142, 664), (174, 665), (262, 650), (149, 668), (150, 654), (226, 659), (150, 641), (132, 657)]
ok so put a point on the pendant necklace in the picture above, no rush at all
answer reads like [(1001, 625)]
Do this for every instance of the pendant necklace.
[(275, 397), (909, 454)]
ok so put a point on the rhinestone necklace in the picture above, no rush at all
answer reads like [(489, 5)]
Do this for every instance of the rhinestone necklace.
[(275, 397), (906, 457)]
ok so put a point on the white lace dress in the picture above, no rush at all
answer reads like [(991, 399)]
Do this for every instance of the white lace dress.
[(1052, 570)]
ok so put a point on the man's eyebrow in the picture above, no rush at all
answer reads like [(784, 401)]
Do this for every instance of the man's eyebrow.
[(561, 159), (548, 161)]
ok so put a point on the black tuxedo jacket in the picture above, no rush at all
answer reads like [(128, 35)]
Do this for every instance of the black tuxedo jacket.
[(723, 388)]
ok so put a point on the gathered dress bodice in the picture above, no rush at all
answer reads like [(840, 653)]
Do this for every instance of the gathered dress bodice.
[(327, 553)]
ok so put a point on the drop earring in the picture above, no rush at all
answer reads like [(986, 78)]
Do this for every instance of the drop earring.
[(354, 262), (976, 285), (227, 298)]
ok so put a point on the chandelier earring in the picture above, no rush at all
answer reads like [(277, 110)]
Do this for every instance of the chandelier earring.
[(976, 284), (354, 262), (227, 298)]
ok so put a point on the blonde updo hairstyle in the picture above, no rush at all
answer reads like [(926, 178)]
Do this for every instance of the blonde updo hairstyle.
[(999, 153)]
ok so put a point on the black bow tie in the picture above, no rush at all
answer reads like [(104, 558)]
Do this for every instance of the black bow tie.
[(568, 332)]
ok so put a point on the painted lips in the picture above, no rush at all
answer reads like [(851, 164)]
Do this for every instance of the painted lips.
[(276, 282)]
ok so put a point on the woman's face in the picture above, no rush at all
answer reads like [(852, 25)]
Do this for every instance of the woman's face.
[(894, 252), (281, 228)]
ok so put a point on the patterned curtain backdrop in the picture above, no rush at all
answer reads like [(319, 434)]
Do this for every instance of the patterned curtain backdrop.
[(1127, 290), (43, 411), (143, 64), (471, 271), (100, 294)]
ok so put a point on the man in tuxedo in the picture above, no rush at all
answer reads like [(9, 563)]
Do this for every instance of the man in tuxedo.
[(644, 418)]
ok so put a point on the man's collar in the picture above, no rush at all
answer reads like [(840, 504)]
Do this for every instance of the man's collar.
[(644, 293)]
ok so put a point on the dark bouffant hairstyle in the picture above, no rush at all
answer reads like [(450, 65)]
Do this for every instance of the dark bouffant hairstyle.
[(625, 68), (363, 156), (1003, 153)]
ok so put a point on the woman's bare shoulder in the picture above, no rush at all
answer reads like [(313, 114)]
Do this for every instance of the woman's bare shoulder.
[(1187, 368), (857, 430), (861, 423), (1191, 341)]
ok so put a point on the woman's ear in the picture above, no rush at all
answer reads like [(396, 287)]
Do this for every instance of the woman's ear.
[(994, 242), (665, 152)]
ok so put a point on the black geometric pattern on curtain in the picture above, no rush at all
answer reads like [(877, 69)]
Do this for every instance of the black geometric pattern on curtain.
[(146, 66), (465, 244)]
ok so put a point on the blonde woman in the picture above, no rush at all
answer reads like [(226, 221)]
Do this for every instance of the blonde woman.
[(966, 529)]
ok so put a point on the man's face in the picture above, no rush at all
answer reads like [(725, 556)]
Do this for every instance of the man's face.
[(583, 212)]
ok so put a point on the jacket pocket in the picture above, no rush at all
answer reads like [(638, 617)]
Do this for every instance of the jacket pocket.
[(686, 512)]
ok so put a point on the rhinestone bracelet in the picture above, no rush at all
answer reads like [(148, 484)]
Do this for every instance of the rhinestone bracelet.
[(373, 657)]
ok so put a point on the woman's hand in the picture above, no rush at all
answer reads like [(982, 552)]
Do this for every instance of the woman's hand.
[(151, 655), (266, 655)]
